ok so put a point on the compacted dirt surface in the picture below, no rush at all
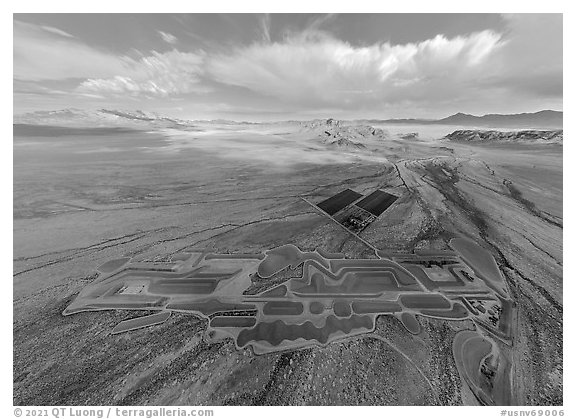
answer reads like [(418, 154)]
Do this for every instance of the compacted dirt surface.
[(84, 198)]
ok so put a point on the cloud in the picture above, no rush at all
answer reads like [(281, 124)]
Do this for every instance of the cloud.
[(163, 75), (319, 21), (532, 59), (44, 55), (312, 70), (265, 27), (315, 68), (168, 37), (47, 54), (57, 31)]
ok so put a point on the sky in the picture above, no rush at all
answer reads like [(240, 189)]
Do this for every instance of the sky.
[(261, 67)]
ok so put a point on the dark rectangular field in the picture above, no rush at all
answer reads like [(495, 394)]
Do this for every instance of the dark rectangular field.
[(377, 202), (335, 203)]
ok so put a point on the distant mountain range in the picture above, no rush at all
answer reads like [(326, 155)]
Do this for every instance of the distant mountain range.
[(543, 119), (138, 119), (101, 117)]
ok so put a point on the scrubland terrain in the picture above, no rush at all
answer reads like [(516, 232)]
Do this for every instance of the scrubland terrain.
[(150, 190)]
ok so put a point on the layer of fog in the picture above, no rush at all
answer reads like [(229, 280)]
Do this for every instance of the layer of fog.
[(275, 150)]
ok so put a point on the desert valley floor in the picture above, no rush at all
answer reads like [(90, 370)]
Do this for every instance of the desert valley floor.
[(85, 196)]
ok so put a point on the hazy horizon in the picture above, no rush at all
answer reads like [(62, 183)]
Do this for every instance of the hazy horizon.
[(255, 120)]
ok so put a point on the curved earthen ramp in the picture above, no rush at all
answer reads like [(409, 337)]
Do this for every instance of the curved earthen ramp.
[(140, 322), (481, 262), (278, 259), (209, 306), (410, 323), (112, 265), (484, 369), (457, 312)]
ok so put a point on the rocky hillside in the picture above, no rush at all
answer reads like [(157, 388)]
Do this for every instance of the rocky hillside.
[(531, 136), (79, 118), (336, 134), (344, 143), (409, 136)]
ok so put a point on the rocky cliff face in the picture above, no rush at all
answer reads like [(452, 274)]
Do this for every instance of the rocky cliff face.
[(529, 136)]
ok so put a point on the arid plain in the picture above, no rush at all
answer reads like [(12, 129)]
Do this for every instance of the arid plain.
[(148, 190)]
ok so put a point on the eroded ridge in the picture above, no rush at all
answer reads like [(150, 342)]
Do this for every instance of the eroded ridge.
[(334, 298)]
